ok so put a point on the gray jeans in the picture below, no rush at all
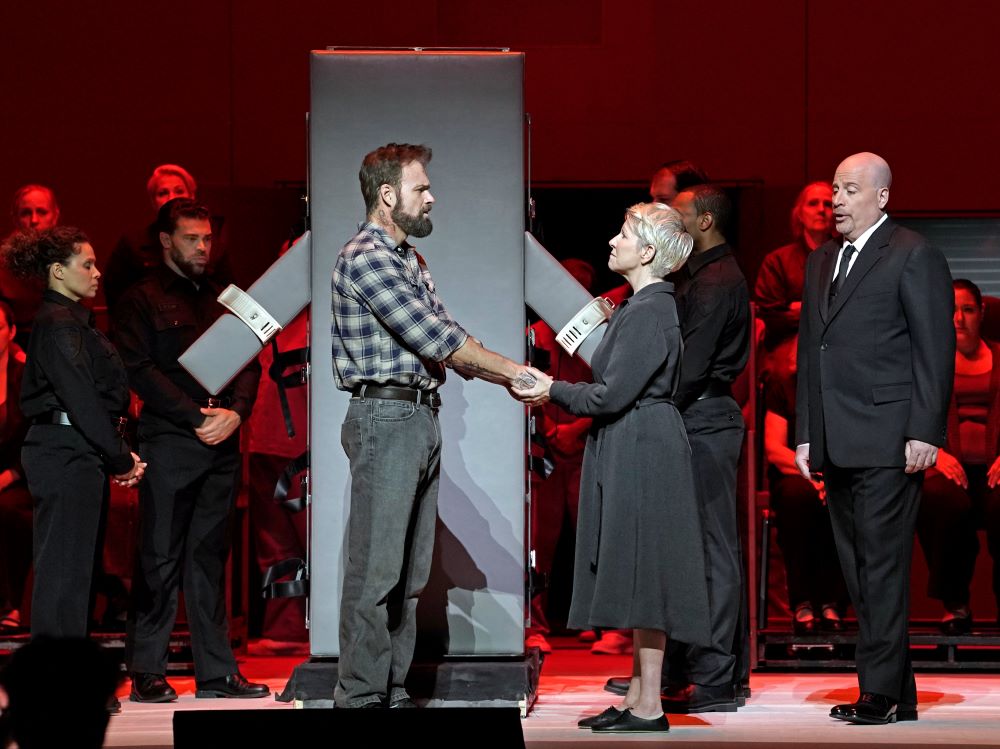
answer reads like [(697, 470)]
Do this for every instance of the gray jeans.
[(394, 448)]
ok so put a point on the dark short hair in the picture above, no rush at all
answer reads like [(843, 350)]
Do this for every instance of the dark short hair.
[(966, 285), (384, 166), (712, 199), (174, 210), (686, 173), (28, 254)]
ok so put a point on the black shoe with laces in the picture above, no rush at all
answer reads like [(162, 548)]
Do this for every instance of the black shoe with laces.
[(151, 688), (234, 685)]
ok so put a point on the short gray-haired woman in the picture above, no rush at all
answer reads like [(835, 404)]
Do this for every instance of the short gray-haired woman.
[(639, 555)]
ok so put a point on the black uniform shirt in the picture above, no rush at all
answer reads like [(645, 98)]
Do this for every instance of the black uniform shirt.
[(73, 367), (713, 302), (155, 322)]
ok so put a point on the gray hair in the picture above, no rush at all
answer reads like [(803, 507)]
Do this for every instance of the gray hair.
[(661, 227)]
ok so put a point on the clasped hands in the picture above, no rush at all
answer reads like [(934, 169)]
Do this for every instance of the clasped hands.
[(132, 477), (538, 393)]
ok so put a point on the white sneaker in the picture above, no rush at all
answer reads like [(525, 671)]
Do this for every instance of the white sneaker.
[(613, 642)]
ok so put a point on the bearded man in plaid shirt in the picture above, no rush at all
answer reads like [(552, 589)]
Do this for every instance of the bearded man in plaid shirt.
[(392, 340)]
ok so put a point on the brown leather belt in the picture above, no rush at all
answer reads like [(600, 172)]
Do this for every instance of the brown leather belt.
[(393, 392)]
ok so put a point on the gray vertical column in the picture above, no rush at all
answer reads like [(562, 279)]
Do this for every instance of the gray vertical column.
[(468, 108)]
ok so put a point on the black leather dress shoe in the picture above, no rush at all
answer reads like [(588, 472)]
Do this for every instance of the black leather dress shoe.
[(696, 698), (960, 625), (601, 719), (874, 709), (628, 723), (830, 620), (804, 626), (114, 705), (151, 688), (234, 685), (617, 684)]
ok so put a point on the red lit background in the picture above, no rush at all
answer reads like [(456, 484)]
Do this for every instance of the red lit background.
[(96, 94)]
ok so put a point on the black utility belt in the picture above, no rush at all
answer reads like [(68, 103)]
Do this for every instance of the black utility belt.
[(430, 398), (716, 389), (61, 418), (225, 402)]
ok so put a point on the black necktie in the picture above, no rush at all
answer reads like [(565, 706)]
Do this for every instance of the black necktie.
[(845, 263)]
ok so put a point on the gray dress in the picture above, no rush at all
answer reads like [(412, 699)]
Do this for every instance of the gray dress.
[(639, 555)]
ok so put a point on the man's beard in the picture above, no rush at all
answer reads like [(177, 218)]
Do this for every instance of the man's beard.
[(413, 226), (193, 271)]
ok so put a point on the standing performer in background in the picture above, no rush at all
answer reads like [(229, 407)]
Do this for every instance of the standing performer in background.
[(392, 339), (192, 442), (74, 393), (876, 360)]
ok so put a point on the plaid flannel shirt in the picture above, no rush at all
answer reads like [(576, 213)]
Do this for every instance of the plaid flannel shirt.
[(389, 326)]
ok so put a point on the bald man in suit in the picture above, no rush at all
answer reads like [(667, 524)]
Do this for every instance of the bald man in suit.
[(876, 362)]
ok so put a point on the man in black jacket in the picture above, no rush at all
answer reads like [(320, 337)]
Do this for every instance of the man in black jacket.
[(193, 442)]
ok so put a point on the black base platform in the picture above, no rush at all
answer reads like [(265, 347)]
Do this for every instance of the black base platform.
[(481, 682)]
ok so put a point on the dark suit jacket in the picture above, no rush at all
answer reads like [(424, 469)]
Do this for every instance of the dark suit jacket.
[(876, 367)]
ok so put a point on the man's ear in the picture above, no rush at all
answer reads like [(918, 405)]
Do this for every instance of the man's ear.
[(883, 197), (165, 240), (388, 195), (706, 221)]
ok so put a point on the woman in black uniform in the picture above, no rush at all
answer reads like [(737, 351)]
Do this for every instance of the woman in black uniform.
[(73, 393)]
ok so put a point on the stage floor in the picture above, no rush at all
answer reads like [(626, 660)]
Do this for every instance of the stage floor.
[(786, 710)]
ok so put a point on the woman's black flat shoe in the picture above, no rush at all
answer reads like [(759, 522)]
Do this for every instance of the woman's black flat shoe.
[(608, 716), (628, 723)]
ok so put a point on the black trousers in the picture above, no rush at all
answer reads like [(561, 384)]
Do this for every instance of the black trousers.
[(947, 528), (874, 514), (69, 485), (805, 536), (185, 503), (715, 430)]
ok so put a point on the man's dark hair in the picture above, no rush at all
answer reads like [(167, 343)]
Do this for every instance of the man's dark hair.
[(711, 199), (966, 285), (384, 166), (686, 173), (174, 210)]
